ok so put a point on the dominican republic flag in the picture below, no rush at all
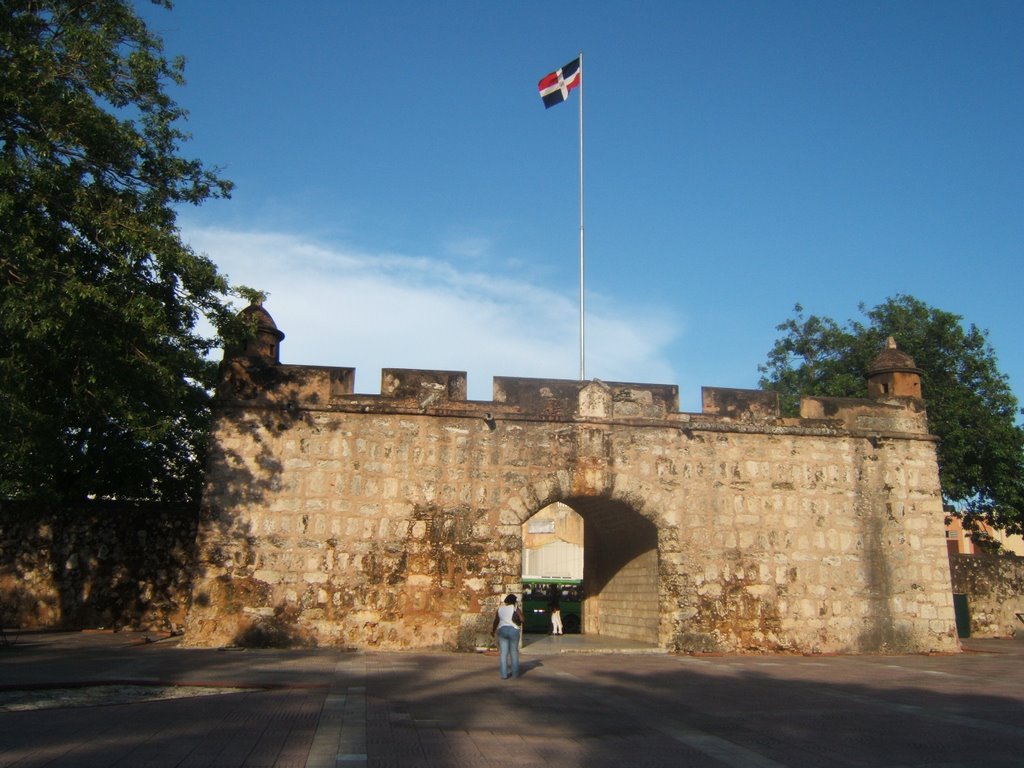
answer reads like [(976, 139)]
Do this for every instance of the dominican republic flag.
[(554, 88)]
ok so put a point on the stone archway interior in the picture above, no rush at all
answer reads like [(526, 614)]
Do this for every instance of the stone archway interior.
[(620, 570)]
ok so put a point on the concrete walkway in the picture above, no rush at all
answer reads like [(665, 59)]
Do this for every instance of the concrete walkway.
[(101, 699), (550, 645)]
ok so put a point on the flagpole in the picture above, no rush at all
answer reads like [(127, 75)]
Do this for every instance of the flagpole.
[(583, 367)]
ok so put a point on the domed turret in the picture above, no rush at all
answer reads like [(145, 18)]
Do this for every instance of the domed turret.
[(265, 345), (893, 374)]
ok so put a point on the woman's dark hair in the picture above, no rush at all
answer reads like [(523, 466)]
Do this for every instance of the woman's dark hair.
[(510, 600)]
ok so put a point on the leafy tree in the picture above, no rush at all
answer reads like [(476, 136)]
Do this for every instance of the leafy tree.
[(104, 378), (971, 407)]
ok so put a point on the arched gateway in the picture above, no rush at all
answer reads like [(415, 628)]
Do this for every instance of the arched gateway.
[(394, 520)]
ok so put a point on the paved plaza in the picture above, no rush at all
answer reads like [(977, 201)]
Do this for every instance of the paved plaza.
[(121, 699)]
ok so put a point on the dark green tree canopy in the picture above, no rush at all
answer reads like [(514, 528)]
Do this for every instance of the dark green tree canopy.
[(971, 407), (104, 378)]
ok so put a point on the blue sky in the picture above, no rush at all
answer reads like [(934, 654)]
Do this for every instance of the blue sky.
[(407, 201)]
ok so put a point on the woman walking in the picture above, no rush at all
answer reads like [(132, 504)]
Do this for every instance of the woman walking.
[(507, 621), (556, 612)]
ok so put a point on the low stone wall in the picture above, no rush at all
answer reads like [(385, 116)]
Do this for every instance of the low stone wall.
[(96, 565), (994, 587)]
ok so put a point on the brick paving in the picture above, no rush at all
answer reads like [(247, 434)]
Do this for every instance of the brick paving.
[(321, 708)]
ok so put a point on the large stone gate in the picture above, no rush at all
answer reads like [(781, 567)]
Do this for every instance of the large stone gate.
[(394, 520)]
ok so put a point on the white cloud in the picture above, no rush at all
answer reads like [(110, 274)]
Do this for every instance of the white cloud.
[(469, 247), (340, 306)]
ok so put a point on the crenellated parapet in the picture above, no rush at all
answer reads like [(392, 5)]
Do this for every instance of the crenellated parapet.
[(261, 380), (867, 415)]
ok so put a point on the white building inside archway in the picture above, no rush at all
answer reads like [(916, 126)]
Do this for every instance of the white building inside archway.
[(553, 544)]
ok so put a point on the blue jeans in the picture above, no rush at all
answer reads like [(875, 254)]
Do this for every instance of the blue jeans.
[(508, 648)]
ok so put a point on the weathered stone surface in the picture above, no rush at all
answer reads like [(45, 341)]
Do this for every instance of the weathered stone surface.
[(994, 588), (96, 565), (331, 518), (748, 404)]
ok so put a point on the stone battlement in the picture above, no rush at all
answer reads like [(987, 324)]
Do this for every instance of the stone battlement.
[(439, 392)]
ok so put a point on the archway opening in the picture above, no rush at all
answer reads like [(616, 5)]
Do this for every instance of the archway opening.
[(553, 570), (610, 551)]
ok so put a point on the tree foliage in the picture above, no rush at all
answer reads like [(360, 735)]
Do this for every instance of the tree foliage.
[(104, 378), (971, 407)]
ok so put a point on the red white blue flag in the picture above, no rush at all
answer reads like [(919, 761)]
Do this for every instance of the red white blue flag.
[(554, 88)]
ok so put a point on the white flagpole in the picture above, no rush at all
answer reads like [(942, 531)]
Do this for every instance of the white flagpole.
[(583, 367)]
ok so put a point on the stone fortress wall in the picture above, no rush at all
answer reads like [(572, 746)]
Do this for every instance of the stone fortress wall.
[(96, 565), (394, 520)]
